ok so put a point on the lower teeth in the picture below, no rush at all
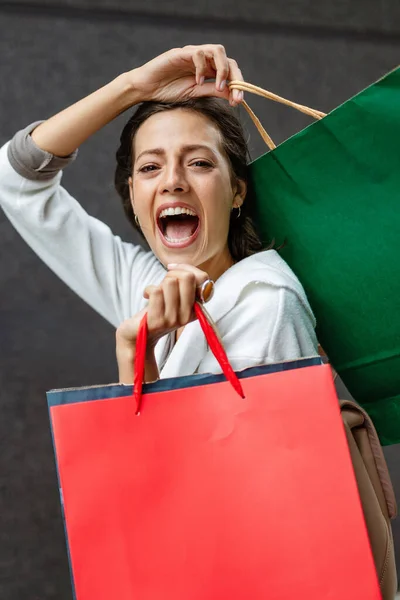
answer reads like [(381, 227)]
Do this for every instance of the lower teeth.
[(176, 241)]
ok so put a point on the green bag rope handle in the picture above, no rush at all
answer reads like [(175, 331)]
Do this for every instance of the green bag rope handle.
[(249, 87)]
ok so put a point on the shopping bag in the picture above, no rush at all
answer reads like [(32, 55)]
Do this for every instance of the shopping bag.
[(331, 195), (199, 488)]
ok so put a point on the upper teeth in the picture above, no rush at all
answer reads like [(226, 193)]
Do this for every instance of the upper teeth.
[(178, 210)]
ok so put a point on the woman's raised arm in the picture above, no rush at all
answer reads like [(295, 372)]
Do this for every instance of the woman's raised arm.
[(67, 130), (107, 273), (174, 75)]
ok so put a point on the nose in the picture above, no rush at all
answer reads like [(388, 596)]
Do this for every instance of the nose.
[(174, 181)]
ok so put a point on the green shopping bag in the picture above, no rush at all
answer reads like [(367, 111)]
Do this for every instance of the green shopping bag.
[(332, 194)]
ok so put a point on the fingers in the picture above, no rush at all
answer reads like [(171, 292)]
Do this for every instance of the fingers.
[(170, 306), (126, 332), (187, 294), (234, 97), (210, 60), (235, 74), (208, 90), (171, 303), (227, 69), (218, 56), (179, 297), (200, 62), (200, 276), (155, 308)]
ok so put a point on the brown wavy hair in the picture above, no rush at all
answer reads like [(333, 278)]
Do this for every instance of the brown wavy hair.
[(243, 239)]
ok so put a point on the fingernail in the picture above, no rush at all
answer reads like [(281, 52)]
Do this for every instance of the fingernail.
[(201, 80), (238, 95), (172, 265), (222, 86)]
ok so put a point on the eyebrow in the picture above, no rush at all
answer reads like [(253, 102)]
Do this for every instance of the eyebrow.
[(186, 150)]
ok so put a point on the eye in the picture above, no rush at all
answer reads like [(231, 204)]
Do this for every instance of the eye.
[(148, 168), (204, 164)]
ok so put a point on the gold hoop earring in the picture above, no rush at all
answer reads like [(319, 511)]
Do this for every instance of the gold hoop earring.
[(239, 211), (137, 221)]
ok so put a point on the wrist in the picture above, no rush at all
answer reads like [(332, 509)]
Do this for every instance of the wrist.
[(126, 353), (125, 360), (151, 372), (127, 91)]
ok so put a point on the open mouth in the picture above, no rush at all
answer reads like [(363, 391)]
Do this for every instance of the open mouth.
[(178, 226)]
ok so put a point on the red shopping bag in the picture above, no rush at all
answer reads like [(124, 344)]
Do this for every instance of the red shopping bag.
[(206, 495)]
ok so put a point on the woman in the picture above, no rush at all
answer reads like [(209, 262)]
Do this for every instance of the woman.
[(181, 174)]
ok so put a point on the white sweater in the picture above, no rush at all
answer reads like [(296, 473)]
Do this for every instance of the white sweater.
[(259, 306)]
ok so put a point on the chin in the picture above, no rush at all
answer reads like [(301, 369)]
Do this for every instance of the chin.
[(183, 257)]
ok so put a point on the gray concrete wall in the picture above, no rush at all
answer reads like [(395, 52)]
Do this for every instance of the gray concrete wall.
[(342, 16), (317, 53)]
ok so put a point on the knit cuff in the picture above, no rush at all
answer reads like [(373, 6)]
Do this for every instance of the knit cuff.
[(30, 161)]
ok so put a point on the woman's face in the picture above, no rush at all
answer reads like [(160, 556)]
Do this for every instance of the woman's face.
[(182, 191)]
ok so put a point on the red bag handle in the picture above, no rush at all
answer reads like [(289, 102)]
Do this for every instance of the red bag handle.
[(212, 339)]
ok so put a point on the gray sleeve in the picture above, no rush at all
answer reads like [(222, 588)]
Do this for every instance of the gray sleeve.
[(30, 161)]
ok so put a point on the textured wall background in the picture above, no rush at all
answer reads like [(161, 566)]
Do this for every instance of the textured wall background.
[(51, 54)]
